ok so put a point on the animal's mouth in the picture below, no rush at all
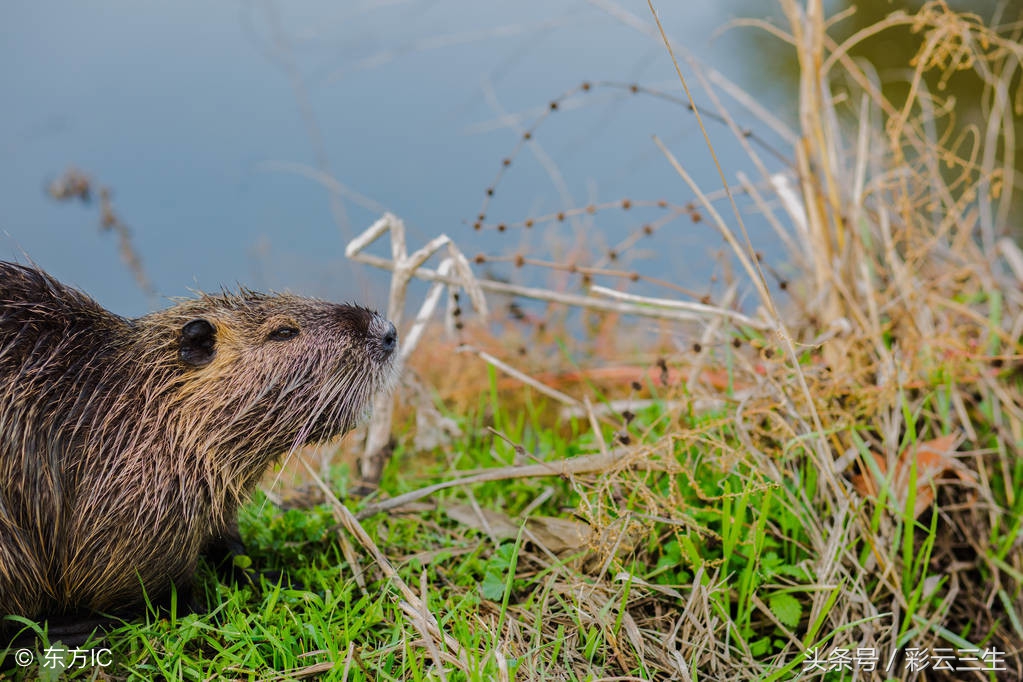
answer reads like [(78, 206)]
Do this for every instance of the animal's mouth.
[(390, 375)]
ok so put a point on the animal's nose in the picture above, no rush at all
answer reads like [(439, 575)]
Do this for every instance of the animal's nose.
[(383, 336), (389, 340)]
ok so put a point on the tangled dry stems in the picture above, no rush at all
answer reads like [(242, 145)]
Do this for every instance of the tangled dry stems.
[(902, 327)]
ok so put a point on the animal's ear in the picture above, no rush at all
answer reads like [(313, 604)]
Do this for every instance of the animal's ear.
[(198, 343)]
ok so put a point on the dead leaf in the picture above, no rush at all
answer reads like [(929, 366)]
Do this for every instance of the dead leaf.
[(488, 521), (559, 535), (934, 458)]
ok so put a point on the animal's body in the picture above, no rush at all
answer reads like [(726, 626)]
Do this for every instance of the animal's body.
[(127, 445)]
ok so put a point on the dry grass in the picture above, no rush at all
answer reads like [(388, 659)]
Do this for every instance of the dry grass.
[(867, 428)]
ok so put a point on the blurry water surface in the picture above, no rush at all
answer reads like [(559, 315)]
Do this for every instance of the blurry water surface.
[(199, 114)]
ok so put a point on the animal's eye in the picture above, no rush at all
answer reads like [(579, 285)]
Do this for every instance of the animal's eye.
[(284, 333)]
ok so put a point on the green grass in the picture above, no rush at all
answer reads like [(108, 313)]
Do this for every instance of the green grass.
[(707, 521)]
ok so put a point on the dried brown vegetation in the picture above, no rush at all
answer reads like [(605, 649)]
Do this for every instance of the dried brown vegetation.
[(891, 356)]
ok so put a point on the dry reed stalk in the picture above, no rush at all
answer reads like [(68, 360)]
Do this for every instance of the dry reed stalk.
[(904, 278)]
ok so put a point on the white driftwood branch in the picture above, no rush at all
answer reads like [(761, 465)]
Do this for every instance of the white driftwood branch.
[(403, 268), (476, 286), (696, 311), (455, 274)]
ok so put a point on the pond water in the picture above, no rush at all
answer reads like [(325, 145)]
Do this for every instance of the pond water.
[(208, 121)]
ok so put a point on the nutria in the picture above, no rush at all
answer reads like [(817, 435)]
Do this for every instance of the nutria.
[(127, 445)]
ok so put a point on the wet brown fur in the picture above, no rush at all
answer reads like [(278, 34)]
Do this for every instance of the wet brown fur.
[(123, 452)]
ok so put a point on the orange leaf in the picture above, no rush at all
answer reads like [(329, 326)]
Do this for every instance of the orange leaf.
[(934, 458)]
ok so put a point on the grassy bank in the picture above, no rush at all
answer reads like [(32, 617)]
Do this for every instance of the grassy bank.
[(833, 489)]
